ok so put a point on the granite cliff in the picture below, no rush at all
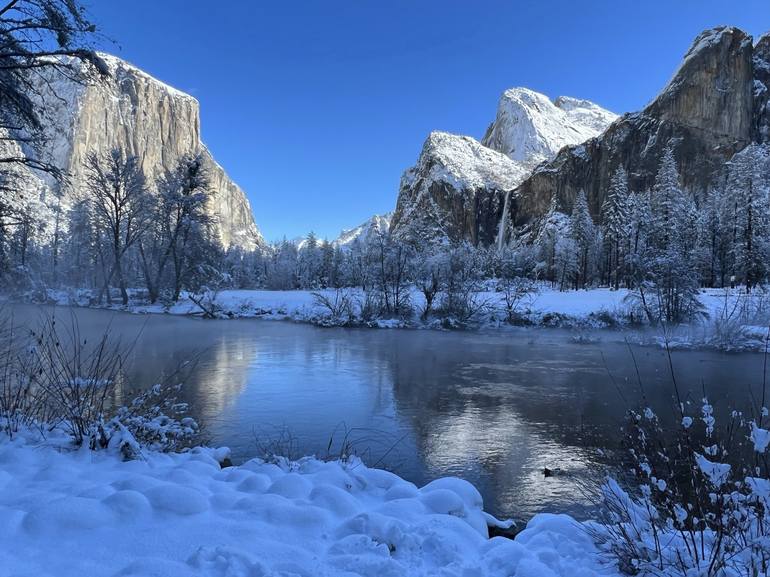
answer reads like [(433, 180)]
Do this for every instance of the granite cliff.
[(146, 118)]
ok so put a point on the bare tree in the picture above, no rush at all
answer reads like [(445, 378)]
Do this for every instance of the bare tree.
[(38, 40), (118, 194), (391, 262)]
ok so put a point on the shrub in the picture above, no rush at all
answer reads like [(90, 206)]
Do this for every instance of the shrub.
[(516, 291), (55, 380), (155, 419), (338, 305), (701, 504)]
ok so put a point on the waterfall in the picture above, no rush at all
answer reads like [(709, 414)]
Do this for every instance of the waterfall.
[(503, 221)]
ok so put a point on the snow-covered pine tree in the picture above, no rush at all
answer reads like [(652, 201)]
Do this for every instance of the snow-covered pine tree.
[(640, 221), (615, 218), (668, 284), (326, 274), (565, 261), (281, 270), (748, 185), (554, 226), (583, 233), (665, 194), (715, 234), (309, 263)]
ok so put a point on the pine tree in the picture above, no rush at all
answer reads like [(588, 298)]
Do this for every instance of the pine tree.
[(327, 274), (615, 219), (640, 225), (668, 282), (748, 185), (715, 233), (310, 263), (583, 233), (665, 194)]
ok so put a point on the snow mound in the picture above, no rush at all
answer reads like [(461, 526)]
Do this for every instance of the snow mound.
[(530, 128), (76, 512)]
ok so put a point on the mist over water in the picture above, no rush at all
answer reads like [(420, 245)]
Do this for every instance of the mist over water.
[(493, 408)]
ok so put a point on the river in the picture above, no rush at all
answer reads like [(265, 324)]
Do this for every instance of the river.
[(495, 408)]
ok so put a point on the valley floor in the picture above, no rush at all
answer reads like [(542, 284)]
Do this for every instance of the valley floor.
[(66, 511), (734, 320)]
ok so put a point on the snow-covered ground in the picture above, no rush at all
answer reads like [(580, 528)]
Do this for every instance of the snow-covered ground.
[(302, 304), (733, 321), (77, 512)]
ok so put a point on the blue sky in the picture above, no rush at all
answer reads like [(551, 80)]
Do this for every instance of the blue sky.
[(316, 107)]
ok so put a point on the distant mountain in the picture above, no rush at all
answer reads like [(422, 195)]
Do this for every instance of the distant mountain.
[(458, 188), (145, 117), (365, 232)]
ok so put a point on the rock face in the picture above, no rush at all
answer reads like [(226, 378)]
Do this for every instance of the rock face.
[(131, 110), (459, 188), (454, 192), (713, 107)]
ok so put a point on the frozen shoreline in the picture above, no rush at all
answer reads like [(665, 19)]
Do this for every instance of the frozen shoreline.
[(581, 310)]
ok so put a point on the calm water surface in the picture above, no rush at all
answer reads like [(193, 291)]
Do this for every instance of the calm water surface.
[(493, 408)]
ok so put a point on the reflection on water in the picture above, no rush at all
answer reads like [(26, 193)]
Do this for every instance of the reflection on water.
[(494, 409)]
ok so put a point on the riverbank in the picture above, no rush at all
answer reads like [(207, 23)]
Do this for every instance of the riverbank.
[(69, 511), (733, 320)]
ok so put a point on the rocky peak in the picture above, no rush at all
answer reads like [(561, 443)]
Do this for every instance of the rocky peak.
[(364, 233), (530, 128), (454, 192), (464, 161), (712, 89), (459, 188), (713, 107)]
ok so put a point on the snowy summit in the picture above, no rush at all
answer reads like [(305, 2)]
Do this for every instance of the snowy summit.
[(530, 128)]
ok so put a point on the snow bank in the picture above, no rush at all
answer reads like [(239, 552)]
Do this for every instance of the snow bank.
[(301, 305), (78, 512), (736, 320)]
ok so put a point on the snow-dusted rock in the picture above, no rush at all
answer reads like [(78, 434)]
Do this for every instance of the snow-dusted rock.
[(530, 128), (458, 188), (714, 106), (454, 192), (145, 117), (365, 232), (761, 64)]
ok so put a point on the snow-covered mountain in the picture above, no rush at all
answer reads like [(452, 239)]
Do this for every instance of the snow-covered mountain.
[(530, 128), (458, 189), (365, 232), (131, 110)]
